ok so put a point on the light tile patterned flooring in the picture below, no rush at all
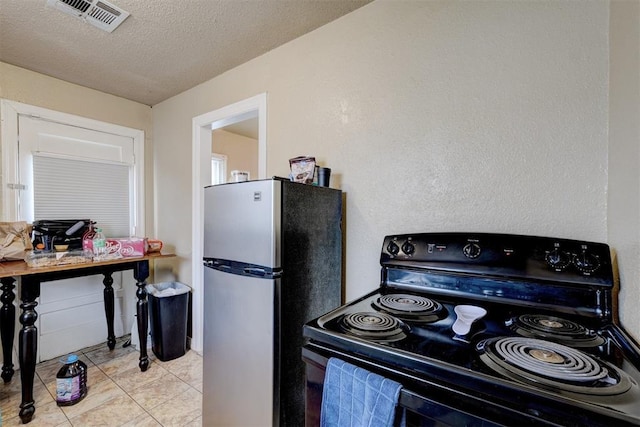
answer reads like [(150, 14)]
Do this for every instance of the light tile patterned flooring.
[(167, 394)]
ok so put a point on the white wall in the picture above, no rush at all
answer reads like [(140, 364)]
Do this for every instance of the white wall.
[(433, 115)]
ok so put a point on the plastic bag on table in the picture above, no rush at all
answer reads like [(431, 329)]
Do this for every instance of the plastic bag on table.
[(15, 240)]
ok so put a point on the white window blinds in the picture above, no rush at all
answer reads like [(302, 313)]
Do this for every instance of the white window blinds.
[(66, 188)]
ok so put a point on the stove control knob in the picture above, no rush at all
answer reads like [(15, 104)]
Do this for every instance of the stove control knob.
[(586, 262), (408, 248), (471, 250), (557, 259), (392, 248)]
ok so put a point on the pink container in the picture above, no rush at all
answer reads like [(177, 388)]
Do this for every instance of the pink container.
[(127, 246), (121, 247)]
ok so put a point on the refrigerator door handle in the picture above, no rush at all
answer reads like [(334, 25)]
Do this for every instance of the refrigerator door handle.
[(212, 263), (254, 271), (243, 269), (262, 272)]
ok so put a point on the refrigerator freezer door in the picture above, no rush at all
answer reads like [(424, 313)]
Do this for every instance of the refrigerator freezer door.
[(242, 222), (238, 362)]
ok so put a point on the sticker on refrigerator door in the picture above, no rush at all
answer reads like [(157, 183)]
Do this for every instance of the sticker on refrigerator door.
[(257, 196)]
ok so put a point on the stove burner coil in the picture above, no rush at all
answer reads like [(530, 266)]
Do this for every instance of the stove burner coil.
[(555, 329), (373, 326), (553, 365), (407, 307)]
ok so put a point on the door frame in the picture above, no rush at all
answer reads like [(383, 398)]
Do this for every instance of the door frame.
[(202, 128), (9, 138)]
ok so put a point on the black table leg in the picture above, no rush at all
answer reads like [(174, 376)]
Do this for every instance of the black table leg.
[(108, 309), (28, 339), (141, 273), (7, 327)]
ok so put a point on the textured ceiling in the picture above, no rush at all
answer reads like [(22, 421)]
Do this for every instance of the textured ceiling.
[(165, 47)]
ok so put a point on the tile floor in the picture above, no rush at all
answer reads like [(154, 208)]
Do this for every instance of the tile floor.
[(167, 394)]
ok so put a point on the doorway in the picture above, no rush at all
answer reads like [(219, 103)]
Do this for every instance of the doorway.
[(202, 128), (236, 146)]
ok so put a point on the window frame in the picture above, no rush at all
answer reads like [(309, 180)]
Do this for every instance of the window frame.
[(9, 113), (219, 164)]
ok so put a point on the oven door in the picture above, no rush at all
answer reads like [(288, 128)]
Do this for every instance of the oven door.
[(423, 405)]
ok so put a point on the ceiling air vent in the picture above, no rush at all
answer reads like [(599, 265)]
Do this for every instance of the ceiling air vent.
[(98, 13)]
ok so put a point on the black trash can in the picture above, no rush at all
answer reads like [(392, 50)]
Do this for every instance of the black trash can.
[(168, 307)]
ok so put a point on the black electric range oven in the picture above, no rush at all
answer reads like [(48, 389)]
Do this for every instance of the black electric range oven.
[(548, 350)]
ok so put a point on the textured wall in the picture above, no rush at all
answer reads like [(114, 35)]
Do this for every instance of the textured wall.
[(434, 116), (28, 87)]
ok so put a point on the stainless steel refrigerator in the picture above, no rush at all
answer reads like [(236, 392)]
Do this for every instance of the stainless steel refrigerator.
[(272, 261)]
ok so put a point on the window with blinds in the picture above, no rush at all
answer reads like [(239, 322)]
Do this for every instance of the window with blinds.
[(65, 188)]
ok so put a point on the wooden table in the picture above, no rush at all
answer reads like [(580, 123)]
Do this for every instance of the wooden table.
[(30, 291)]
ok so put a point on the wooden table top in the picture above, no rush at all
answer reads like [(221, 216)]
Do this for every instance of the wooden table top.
[(20, 268)]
